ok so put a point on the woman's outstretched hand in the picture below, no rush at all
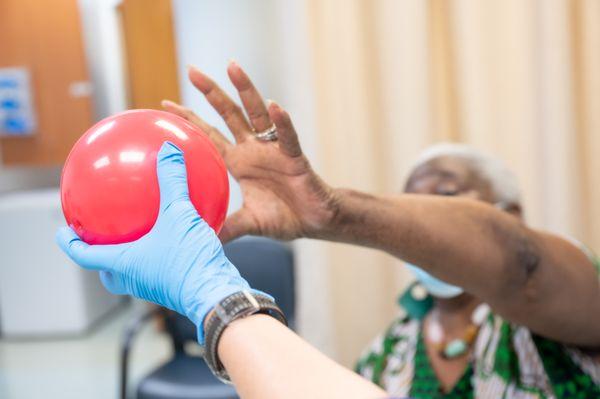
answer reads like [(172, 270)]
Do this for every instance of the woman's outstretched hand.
[(283, 197)]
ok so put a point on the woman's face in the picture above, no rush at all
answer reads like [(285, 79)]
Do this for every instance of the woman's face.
[(452, 177), (449, 176)]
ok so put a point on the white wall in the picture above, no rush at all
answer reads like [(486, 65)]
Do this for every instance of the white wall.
[(210, 33), (103, 48)]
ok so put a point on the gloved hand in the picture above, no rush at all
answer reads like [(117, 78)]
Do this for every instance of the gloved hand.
[(179, 264)]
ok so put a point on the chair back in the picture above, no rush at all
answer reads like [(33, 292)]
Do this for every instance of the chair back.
[(266, 264)]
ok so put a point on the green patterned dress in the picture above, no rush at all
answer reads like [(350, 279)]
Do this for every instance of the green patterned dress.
[(507, 361)]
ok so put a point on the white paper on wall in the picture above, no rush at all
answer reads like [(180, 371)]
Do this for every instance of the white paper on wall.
[(17, 117)]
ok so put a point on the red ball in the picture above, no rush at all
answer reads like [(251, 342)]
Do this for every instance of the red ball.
[(109, 187)]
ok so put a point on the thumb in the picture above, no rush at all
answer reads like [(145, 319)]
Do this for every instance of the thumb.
[(172, 175), (94, 257), (236, 225)]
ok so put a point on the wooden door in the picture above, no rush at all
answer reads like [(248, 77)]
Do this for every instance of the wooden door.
[(45, 37), (150, 52)]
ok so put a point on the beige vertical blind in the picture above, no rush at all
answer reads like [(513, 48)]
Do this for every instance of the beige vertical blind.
[(520, 79)]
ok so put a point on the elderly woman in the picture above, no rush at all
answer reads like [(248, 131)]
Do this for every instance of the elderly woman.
[(451, 343), (499, 310)]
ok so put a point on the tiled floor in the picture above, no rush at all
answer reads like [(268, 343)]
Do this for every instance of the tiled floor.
[(85, 367)]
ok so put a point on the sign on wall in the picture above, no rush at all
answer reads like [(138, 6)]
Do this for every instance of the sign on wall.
[(17, 117)]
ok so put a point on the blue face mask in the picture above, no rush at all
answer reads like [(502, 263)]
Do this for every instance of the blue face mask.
[(435, 286)]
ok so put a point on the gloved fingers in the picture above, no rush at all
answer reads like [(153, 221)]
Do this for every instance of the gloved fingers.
[(93, 257), (112, 282), (172, 175)]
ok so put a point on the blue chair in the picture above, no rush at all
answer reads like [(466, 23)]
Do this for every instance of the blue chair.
[(268, 265)]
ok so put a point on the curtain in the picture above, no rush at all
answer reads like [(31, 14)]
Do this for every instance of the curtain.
[(519, 79)]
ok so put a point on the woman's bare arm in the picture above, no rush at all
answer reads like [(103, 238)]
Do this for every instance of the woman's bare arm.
[(532, 278), (266, 360)]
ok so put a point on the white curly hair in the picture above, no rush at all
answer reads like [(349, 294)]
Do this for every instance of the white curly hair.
[(503, 181)]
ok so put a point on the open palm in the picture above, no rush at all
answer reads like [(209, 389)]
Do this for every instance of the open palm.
[(283, 197)]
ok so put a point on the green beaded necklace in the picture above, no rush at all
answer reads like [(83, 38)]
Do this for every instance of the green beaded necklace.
[(417, 302)]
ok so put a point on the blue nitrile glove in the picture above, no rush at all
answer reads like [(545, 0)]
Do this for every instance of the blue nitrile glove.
[(179, 264)]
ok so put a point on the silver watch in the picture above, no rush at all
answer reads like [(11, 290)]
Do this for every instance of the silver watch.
[(235, 306)]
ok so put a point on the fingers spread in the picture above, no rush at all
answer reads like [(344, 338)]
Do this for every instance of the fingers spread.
[(213, 134), (287, 137), (228, 110), (238, 224), (94, 257), (172, 175), (253, 102)]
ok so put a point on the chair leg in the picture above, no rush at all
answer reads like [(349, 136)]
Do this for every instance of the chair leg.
[(130, 332)]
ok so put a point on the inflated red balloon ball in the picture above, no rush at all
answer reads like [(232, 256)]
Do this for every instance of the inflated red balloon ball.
[(109, 186)]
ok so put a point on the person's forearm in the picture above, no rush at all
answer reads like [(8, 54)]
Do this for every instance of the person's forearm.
[(266, 360), (531, 278), (462, 241)]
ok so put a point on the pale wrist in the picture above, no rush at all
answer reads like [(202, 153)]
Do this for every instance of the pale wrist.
[(234, 307)]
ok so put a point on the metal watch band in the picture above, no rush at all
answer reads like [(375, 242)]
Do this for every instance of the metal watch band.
[(235, 306)]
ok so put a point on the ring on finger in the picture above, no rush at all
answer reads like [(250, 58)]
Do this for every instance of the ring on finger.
[(269, 134)]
